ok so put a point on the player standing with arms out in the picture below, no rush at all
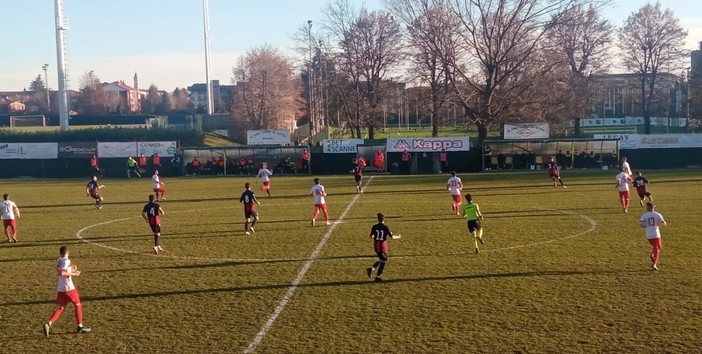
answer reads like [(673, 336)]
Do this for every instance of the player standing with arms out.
[(555, 173), (357, 172), (641, 184), (265, 174), (622, 186), (319, 202), (9, 212), (93, 191), (132, 167), (158, 186), (651, 221), (152, 214), (471, 212), (380, 233), (625, 166), (66, 292), (455, 185), (250, 213)]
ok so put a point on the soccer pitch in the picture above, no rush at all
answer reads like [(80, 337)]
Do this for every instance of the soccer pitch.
[(562, 270)]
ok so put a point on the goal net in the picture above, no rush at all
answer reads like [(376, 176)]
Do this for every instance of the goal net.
[(28, 121)]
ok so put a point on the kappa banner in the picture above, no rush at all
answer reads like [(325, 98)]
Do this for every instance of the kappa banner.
[(77, 150), (428, 144), (526, 131), (660, 141), (107, 150), (37, 150), (341, 146), (163, 148), (267, 137)]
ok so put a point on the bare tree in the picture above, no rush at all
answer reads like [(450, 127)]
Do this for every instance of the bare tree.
[(429, 28), (651, 42), (369, 45), (267, 90), (579, 43), (92, 98)]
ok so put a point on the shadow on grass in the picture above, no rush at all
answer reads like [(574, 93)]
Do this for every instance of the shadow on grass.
[(365, 282)]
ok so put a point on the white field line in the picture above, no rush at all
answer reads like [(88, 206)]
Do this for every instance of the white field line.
[(288, 295)]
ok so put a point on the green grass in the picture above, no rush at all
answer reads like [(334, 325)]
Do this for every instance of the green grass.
[(543, 283)]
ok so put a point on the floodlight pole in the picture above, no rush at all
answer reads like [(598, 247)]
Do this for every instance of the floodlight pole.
[(61, 67), (206, 20), (48, 92)]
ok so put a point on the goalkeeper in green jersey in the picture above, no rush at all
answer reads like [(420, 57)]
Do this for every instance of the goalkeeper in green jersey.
[(471, 212)]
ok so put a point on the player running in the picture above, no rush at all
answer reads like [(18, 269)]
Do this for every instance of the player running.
[(158, 186), (626, 168), (651, 221), (250, 213), (471, 212), (455, 185), (152, 214), (66, 292), (319, 202), (622, 186), (265, 174), (10, 213), (555, 173), (641, 184), (357, 172), (380, 233), (93, 191)]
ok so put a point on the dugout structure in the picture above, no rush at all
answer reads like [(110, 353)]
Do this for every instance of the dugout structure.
[(29, 121), (281, 159), (535, 154)]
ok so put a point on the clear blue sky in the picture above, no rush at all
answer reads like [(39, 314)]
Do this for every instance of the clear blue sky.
[(162, 40)]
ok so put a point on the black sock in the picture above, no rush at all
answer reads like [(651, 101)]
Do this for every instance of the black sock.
[(246, 225), (376, 264), (380, 269), (156, 241), (253, 222)]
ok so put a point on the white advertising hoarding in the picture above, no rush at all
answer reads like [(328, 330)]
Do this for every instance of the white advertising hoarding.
[(341, 146), (659, 141), (120, 149), (526, 131), (267, 137), (37, 150), (9, 151), (428, 144), (163, 148)]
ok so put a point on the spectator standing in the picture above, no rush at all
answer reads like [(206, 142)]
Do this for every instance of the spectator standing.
[(443, 158), (379, 161), (156, 161), (175, 165), (406, 162), (143, 163), (306, 160)]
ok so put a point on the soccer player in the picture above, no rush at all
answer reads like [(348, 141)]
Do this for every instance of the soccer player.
[(66, 292), (143, 163), (380, 233), (158, 186), (622, 186), (625, 166), (455, 185), (641, 184), (471, 212), (357, 172), (152, 214), (651, 221), (94, 169), (265, 174), (9, 212), (132, 167), (93, 191), (250, 213), (555, 173), (319, 203)]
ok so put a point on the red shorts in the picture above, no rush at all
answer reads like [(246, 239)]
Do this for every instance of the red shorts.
[(9, 222), (95, 196), (63, 298), (159, 190), (457, 198), (642, 191), (381, 247), (267, 185), (320, 206), (553, 174), (655, 243), (624, 194)]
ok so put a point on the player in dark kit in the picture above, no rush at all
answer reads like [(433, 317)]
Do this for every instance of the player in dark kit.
[(250, 213), (357, 172), (380, 233), (641, 184), (152, 214), (93, 191), (555, 173)]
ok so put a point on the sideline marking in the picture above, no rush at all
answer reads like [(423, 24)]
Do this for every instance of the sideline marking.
[(281, 306)]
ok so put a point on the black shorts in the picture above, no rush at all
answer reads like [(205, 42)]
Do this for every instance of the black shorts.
[(250, 214), (156, 228), (474, 225), (357, 178)]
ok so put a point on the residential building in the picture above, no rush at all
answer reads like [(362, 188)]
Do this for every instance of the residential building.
[(222, 97), (126, 98)]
